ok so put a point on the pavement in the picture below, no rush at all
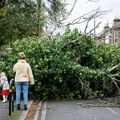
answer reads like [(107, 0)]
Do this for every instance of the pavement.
[(17, 114)]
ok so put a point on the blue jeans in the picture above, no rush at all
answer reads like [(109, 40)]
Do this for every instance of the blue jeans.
[(21, 87)]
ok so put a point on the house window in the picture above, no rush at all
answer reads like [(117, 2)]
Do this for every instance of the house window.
[(115, 34), (115, 37), (106, 39), (116, 40), (110, 38)]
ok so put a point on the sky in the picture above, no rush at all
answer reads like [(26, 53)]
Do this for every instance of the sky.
[(84, 6)]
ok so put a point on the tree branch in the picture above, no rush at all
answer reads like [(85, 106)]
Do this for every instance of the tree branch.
[(89, 16), (94, 28), (113, 79), (70, 10), (114, 67)]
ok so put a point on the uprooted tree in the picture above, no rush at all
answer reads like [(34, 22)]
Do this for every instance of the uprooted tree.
[(70, 66)]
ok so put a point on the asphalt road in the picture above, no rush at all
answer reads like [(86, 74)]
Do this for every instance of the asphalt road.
[(77, 110)]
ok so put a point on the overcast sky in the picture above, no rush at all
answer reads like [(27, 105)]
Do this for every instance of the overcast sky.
[(83, 6)]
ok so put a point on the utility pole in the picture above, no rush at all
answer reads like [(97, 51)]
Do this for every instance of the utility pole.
[(94, 29), (38, 15)]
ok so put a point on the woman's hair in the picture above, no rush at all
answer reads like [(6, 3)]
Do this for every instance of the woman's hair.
[(22, 55), (2, 74)]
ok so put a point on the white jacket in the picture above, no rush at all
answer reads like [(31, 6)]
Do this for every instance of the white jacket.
[(23, 72), (4, 82)]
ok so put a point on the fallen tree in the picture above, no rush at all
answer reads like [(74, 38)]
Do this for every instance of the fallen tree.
[(68, 66)]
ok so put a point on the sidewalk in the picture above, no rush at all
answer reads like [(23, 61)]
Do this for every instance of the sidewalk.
[(16, 115)]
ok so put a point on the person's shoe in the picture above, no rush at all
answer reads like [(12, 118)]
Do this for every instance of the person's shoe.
[(25, 107), (3, 101), (18, 106)]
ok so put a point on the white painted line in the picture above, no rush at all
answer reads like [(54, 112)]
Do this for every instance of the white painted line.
[(25, 112), (113, 111), (44, 110), (37, 111)]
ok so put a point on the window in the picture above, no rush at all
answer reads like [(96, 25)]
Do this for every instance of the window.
[(106, 39), (116, 40), (115, 34), (110, 38)]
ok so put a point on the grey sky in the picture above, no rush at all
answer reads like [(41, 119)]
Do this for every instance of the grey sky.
[(83, 6)]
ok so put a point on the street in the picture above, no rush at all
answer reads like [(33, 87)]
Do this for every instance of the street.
[(72, 110)]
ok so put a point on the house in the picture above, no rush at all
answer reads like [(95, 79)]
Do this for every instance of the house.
[(110, 35)]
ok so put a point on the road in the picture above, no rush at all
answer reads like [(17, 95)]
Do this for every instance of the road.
[(76, 110)]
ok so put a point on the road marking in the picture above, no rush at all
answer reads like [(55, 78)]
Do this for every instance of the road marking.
[(113, 111), (37, 111), (44, 110)]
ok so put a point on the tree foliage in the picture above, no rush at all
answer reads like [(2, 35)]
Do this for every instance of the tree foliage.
[(70, 66), (23, 18), (18, 21), (57, 12)]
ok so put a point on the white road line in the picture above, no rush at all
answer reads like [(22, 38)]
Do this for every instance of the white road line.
[(44, 110), (37, 111), (113, 111)]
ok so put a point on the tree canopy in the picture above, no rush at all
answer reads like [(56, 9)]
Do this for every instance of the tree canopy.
[(22, 18), (70, 66)]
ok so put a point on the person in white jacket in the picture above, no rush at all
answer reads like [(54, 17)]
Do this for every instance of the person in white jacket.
[(5, 86), (23, 77)]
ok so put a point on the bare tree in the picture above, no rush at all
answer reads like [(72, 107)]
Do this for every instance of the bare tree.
[(91, 15)]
